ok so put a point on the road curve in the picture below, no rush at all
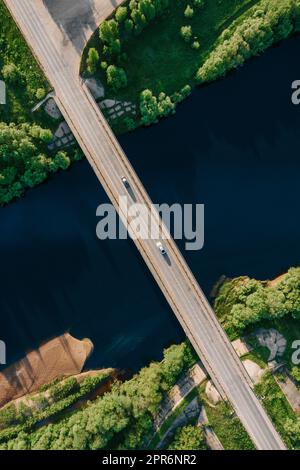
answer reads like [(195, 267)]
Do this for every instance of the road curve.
[(175, 278)]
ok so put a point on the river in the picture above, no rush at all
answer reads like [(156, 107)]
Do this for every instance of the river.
[(232, 146)]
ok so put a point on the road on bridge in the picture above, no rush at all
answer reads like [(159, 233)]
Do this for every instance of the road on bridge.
[(175, 278)]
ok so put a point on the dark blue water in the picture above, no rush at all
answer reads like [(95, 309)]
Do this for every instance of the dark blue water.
[(233, 146)]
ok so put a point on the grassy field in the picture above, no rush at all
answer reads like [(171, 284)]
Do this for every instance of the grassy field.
[(21, 92), (226, 425), (276, 405), (159, 58), (28, 162)]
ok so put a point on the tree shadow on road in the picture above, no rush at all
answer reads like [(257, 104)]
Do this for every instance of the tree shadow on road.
[(74, 19)]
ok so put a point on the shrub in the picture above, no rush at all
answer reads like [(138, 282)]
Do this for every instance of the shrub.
[(8, 415), (11, 73), (63, 389), (196, 45), (189, 12), (186, 33), (121, 14), (40, 93), (243, 301), (92, 60), (188, 438), (295, 372), (116, 77), (270, 22)]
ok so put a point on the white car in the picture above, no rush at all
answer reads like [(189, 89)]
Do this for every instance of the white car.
[(161, 248), (125, 182)]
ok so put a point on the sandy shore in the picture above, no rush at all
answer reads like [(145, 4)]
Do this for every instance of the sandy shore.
[(64, 355), (275, 281)]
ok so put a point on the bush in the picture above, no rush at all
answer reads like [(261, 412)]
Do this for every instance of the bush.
[(243, 301), (152, 108), (189, 12), (63, 389), (116, 77), (92, 60), (186, 33), (11, 73), (121, 14), (270, 22), (196, 45), (295, 372), (8, 415), (188, 438), (40, 93)]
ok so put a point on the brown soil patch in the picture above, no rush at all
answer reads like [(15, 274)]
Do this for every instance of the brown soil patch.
[(64, 355)]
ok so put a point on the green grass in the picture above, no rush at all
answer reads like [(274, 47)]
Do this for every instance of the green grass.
[(275, 404), (227, 425), (259, 354), (159, 58), (170, 420), (21, 95)]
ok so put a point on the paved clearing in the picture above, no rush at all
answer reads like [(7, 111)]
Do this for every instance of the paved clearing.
[(73, 23)]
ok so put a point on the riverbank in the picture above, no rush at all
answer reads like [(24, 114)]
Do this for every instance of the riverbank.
[(61, 356), (137, 52), (243, 303), (120, 419)]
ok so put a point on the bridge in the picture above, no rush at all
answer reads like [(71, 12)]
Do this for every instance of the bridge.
[(176, 281)]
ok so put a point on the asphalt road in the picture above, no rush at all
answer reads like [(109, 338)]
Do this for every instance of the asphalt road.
[(174, 277)]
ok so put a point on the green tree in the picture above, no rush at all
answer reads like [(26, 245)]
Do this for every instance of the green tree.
[(295, 372), (129, 26), (189, 12), (148, 107), (109, 31), (40, 93), (292, 429), (188, 438), (121, 14), (92, 60), (61, 161), (196, 45), (11, 73), (116, 77), (186, 33)]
